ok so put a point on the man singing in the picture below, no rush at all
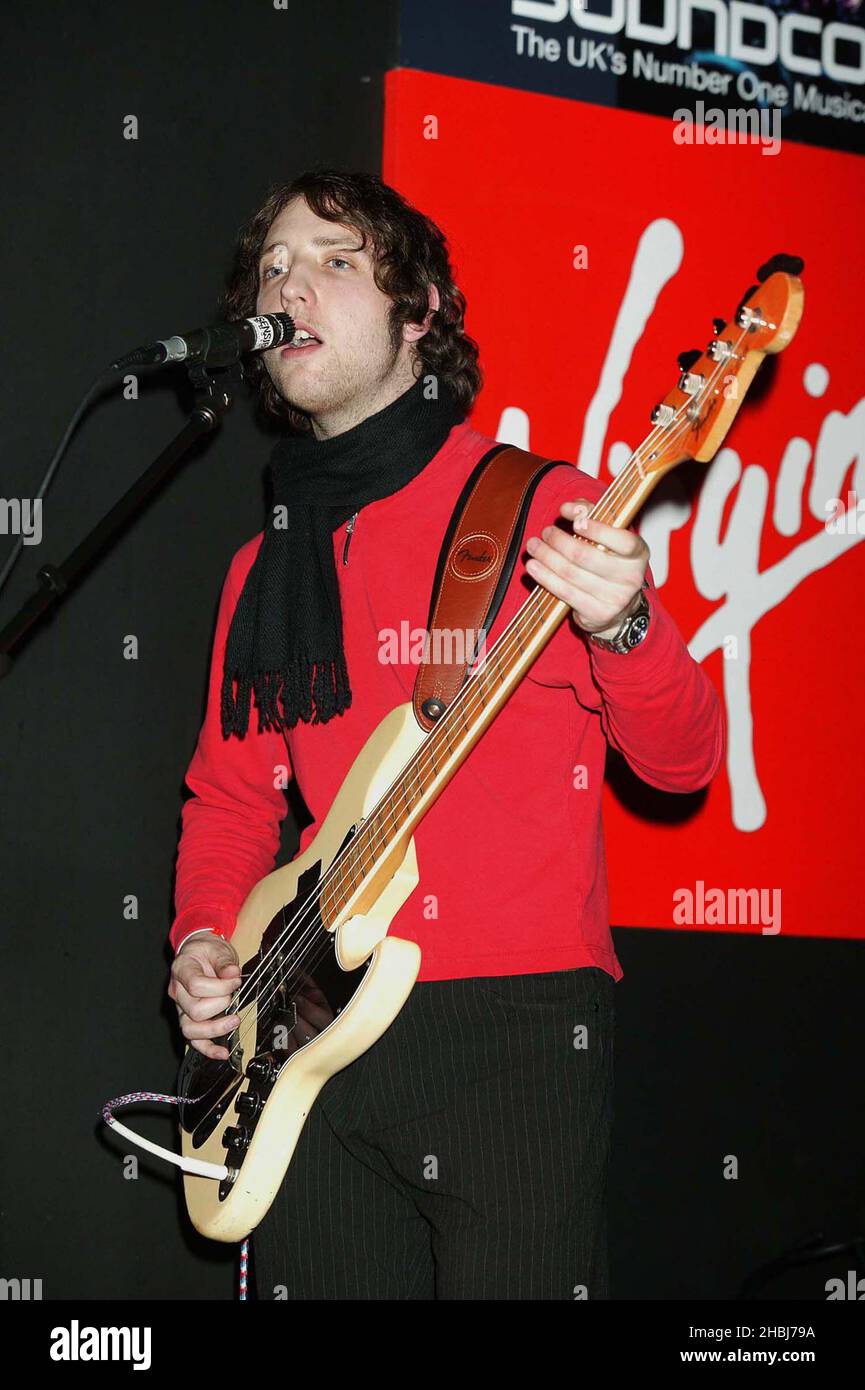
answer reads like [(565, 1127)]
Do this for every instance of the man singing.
[(465, 1154)]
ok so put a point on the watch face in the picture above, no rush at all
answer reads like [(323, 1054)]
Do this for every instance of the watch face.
[(639, 628)]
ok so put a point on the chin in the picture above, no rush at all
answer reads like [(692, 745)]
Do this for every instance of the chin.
[(307, 396), (317, 397)]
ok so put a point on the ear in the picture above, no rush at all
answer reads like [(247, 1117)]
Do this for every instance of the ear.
[(412, 331)]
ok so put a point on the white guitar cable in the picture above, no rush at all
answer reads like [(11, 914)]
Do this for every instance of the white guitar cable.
[(189, 1165)]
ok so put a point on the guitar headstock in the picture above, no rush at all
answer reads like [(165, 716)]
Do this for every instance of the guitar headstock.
[(692, 419)]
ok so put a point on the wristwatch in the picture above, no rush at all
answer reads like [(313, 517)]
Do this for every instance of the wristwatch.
[(632, 631)]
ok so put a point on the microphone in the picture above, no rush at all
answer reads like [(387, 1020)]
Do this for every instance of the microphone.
[(218, 346)]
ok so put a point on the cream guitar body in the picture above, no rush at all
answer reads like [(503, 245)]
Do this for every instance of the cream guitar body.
[(253, 1107)]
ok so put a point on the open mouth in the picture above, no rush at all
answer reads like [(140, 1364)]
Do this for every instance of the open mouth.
[(302, 342)]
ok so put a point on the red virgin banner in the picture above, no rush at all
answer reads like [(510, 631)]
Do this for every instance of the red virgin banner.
[(593, 247)]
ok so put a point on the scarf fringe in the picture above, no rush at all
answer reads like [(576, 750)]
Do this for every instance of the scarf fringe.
[(314, 691), (289, 607)]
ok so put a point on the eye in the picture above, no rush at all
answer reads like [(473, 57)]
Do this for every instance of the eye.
[(266, 274), (341, 260)]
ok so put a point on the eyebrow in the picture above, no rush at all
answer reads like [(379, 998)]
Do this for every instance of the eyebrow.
[(316, 241)]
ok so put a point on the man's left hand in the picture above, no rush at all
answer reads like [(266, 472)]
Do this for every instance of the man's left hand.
[(601, 586)]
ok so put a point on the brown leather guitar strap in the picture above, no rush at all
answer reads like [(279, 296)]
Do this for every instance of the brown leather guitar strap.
[(475, 565)]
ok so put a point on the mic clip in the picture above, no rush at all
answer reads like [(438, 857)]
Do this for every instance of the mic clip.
[(212, 394)]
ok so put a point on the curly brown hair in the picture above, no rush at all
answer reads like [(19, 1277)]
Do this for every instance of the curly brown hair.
[(409, 253)]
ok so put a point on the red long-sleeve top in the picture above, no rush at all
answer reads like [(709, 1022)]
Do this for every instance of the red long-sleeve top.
[(511, 856)]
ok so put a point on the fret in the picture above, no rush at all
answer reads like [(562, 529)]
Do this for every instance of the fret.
[(351, 869), (327, 896), (461, 712)]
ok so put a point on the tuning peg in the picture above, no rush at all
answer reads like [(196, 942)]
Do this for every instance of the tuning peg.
[(663, 415), (751, 319), (686, 360), (718, 325), (792, 265)]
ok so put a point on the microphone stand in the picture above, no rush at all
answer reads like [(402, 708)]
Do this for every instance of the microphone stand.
[(212, 400)]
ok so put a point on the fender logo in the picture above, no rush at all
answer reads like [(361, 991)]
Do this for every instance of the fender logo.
[(475, 556)]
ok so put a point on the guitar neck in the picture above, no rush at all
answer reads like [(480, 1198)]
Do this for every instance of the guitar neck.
[(384, 834)]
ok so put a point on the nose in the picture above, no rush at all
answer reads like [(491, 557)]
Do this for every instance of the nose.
[(290, 299), (293, 288)]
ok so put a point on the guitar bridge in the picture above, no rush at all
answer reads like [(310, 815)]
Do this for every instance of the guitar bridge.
[(235, 1051)]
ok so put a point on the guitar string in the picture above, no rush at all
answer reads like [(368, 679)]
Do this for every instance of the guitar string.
[(310, 910)]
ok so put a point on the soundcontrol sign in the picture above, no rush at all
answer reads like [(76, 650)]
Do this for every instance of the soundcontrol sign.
[(804, 69)]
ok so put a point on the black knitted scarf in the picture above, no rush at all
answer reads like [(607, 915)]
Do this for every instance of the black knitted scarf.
[(285, 642)]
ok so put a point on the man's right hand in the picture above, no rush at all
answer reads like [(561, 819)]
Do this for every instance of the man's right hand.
[(204, 975)]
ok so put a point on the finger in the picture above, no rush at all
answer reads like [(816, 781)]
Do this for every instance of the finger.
[(548, 563), (583, 556), (202, 986), (209, 1049), (215, 1028), (205, 1005), (589, 610), (202, 1008), (577, 511), (216, 990), (617, 539), (603, 560)]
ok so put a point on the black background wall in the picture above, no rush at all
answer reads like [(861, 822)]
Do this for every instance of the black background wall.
[(727, 1044), (107, 243)]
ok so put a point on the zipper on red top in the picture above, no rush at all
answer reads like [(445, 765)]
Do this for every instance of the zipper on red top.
[(349, 532)]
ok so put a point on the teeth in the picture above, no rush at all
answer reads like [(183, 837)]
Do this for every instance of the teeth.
[(301, 335)]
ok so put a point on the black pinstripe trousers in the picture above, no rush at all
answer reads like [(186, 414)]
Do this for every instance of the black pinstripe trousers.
[(463, 1156)]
